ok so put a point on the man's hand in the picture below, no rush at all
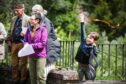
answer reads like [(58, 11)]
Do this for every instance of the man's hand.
[(22, 34), (9, 43)]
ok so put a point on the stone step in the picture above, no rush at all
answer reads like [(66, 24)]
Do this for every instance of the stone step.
[(104, 82), (54, 81), (63, 76)]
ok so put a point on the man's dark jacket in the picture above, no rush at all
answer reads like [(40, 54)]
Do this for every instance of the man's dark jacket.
[(53, 45)]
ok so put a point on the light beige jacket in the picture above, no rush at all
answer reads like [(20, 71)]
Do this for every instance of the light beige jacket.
[(25, 23)]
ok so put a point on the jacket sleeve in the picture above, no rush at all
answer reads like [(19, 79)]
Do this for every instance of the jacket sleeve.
[(50, 29), (83, 33), (95, 51), (9, 33), (26, 37), (43, 41)]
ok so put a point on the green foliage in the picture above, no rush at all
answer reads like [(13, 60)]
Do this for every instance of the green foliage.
[(92, 28), (103, 38), (67, 24), (110, 12)]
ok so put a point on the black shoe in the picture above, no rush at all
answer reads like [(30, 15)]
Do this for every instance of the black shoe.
[(15, 82), (22, 82)]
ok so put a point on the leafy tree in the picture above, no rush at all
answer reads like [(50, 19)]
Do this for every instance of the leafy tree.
[(111, 15)]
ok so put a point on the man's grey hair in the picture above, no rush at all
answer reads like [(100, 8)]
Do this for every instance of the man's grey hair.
[(38, 9)]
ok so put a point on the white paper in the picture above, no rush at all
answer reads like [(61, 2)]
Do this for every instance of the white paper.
[(26, 50), (24, 30), (1, 37)]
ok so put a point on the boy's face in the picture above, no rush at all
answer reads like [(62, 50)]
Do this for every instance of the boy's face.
[(90, 39)]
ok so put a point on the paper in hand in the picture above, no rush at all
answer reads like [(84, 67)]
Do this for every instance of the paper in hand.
[(24, 30), (26, 50)]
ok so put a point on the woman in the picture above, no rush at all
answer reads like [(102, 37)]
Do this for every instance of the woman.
[(36, 36), (53, 45)]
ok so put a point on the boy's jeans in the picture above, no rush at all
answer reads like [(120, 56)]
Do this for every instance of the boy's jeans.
[(36, 68), (81, 71)]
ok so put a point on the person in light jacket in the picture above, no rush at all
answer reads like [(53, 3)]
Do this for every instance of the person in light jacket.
[(14, 41), (3, 35)]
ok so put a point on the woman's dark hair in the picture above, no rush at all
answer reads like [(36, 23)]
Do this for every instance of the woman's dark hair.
[(38, 16)]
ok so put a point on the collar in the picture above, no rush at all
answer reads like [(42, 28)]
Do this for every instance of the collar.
[(37, 27), (42, 20)]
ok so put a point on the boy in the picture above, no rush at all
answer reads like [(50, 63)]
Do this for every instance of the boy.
[(86, 53)]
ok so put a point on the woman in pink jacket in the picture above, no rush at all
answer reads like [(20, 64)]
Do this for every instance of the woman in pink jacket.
[(36, 36)]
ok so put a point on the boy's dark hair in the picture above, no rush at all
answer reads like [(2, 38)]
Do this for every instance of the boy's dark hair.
[(95, 35)]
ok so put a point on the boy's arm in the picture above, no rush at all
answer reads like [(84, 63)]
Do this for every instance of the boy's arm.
[(95, 51), (83, 33)]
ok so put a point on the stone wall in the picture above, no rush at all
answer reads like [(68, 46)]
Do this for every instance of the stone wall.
[(62, 76)]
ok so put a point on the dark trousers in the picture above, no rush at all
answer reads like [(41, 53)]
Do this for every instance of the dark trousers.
[(81, 71)]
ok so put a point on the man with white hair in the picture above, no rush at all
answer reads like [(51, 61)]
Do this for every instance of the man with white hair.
[(53, 46)]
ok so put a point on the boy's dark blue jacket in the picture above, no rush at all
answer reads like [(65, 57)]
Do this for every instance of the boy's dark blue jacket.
[(84, 50)]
